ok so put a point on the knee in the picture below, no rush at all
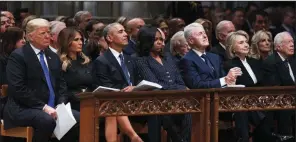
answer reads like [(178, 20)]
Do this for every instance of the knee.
[(48, 124)]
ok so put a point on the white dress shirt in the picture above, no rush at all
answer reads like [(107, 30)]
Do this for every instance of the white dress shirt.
[(249, 70), (37, 51), (222, 80), (290, 69), (53, 49)]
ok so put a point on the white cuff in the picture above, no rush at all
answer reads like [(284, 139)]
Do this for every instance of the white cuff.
[(222, 81)]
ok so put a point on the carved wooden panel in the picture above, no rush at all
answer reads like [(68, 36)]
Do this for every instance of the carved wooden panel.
[(148, 106)]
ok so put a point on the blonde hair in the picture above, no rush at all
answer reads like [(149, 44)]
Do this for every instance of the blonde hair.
[(28, 19), (34, 24), (255, 50), (230, 41), (65, 38)]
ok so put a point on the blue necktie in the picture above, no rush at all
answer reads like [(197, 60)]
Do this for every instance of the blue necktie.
[(124, 69), (46, 73), (207, 61)]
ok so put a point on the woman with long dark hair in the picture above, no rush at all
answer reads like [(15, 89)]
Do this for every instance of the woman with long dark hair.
[(13, 38)]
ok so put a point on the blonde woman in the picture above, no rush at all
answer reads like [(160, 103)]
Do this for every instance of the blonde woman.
[(261, 45), (238, 51), (179, 46)]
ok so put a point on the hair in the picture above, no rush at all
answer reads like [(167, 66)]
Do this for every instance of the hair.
[(157, 20), (250, 4), (176, 40), (60, 18), (220, 26), (278, 39), (146, 39), (69, 21), (253, 15), (89, 26), (55, 26), (241, 9), (9, 39), (255, 50), (28, 19), (122, 20), (230, 40), (65, 39), (35, 24), (78, 16), (106, 30), (190, 28), (93, 48)]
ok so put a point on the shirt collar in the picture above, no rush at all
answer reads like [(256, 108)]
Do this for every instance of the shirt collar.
[(283, 59), (222, 45), (53, 49), (198, 52), (114, 52), (36, 50)]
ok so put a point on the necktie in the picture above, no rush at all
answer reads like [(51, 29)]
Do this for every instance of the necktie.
[(46, 74), (124, 69), (286, 62), (207, 61)]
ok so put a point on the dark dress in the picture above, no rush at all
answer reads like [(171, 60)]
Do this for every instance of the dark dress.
[(78, 78)]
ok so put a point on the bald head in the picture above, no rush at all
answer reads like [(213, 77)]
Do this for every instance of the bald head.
[(175, 25), (223, 28), (133, 27)]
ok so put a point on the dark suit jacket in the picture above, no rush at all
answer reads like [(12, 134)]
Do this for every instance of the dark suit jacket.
[(3, 63), (167, 75), (130, 48), (197, 74), (107, 71), (246, 79), (276, 73), (219, 50), (27, 87)]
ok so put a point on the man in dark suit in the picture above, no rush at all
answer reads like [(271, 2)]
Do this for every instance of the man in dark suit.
[(36, 85), (280, 70), (223, 28), (133, 27), (200, 69), (116, 70)]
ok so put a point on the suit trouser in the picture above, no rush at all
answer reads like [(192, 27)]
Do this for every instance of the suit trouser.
[(44, 125), (177, 126), (284, 121)]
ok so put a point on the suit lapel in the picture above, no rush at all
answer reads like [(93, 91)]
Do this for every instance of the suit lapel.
[(285, 71), (33, 60), (199, 62), (110, 57)]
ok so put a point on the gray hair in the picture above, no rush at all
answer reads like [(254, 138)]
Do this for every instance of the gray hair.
[(56, 27), (257, 37), (230, 40), (107, 30), (176, 40), (220, 26), (34, 25), (190, 28), (278, 39), (78, 16)]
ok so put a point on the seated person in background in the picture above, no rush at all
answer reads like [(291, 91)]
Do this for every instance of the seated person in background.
[(261, 45), (159, 67), (76, 65), (36, 86), (96, 45), (179, 46), (280, 70), (238, 51), (201, 69), (55, 29), (116, 70)]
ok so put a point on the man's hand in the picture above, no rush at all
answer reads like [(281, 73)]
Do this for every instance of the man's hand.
[(233, 73), (128, 89), (51, 111)]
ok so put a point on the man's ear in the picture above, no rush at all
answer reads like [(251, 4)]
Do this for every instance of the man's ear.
[(190, 41), (109, 38)]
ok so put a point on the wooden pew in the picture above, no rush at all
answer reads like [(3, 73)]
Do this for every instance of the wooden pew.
[(250, 99), (102, 104), (20, 132)]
